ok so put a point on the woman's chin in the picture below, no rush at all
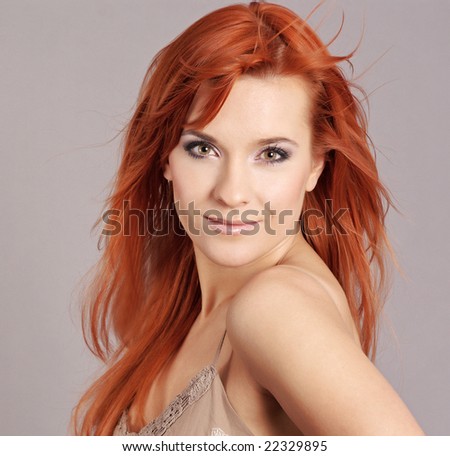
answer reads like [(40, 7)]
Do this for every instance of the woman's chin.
[(239, 252), (231, 256)]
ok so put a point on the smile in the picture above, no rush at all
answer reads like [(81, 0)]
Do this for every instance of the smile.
[(228, 227)]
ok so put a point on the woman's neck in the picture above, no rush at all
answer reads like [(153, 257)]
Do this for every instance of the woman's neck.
[(220, 283)]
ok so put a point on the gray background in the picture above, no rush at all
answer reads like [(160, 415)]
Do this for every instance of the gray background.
[(70, 73)]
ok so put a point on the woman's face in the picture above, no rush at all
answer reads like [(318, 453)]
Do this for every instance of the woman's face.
[(240, 181)]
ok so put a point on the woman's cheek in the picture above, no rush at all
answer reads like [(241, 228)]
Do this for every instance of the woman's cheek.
[(289, 193)]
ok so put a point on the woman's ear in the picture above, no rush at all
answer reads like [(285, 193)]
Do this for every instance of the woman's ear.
[(167, 171), (316, 171)]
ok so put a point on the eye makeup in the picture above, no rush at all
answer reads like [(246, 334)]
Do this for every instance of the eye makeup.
[(273, 151), (198, 149), (271, 155)]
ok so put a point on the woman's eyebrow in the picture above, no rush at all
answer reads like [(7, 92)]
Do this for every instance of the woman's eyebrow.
[(260, 142)]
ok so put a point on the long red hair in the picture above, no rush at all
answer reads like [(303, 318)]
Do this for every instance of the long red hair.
[(145, 295)]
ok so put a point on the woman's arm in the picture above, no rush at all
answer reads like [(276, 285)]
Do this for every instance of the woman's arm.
[(288, 330)]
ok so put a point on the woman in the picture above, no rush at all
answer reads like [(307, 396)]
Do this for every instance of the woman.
[(249, 303)]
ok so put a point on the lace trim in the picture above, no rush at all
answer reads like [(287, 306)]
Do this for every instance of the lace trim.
[(196, 388), (217, 431)]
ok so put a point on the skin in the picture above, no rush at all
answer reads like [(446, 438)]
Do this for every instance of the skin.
[(291, 362)]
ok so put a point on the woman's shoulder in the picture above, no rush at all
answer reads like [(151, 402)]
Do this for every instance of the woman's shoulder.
[(280, 289), (293, 301), (287, 330), (291, 296), (283, 325)]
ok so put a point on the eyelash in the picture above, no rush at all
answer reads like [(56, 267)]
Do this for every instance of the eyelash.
[(282, 153)]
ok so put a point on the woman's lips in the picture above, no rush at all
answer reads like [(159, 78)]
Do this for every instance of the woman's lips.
[(230, 227)]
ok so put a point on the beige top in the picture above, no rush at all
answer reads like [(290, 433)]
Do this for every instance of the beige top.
[(202, 408)]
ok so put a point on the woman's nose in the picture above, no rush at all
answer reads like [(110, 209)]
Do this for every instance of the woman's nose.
[(233, 187)]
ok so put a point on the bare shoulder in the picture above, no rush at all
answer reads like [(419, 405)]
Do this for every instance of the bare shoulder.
[(285, 295), (281, 313), (295, 343)]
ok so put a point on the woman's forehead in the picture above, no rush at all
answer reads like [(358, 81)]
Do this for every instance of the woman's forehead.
[(275, 105)]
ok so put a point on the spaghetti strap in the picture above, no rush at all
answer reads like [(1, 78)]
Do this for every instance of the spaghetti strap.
[(216, 356)]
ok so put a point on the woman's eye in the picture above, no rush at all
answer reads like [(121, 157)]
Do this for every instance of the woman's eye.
[(203, 149), (274, 155), (199, 149)]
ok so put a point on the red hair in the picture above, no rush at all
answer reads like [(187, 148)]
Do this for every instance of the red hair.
[(146, 291)]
